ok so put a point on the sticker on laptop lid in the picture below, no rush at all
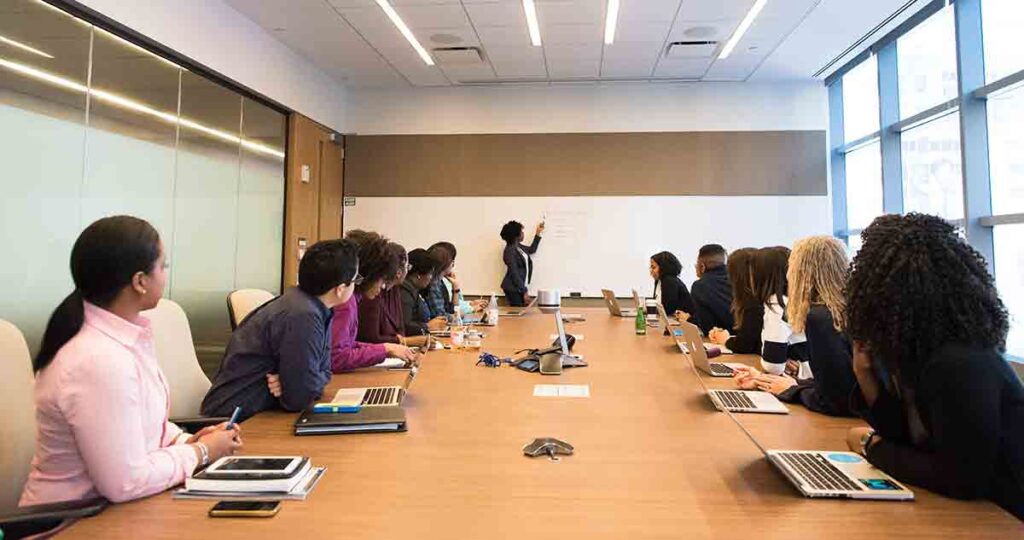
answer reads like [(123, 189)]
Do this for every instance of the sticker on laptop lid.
[(844, 458)]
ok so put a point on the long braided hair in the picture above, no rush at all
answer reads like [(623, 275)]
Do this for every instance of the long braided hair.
[(818, 271), (916, 286)]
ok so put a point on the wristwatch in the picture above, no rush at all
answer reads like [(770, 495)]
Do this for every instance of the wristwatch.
[(865, 442)]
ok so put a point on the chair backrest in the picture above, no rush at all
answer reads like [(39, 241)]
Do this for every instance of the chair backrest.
[(172, 338), (243, 302), (17, 415)]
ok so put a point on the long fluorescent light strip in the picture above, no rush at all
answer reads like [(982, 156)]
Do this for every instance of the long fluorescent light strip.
[(398, 22), (125, 103), (611, 20), (742, 29), (531, 22), (24, 47)]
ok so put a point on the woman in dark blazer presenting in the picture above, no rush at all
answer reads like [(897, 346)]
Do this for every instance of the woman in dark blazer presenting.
[(519, 264)]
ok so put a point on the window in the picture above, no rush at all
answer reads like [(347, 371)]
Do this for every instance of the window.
[(927, 64), (1006, 151), (863, 185), (860, 100), (932, 179), (1004, 53), (1009, 266)]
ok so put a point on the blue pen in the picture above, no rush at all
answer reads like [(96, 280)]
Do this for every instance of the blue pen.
[(234, 418)]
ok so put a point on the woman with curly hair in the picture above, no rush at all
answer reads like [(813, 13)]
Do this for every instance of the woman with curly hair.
[(929, 333), (378, 263), (670, 291), (518, 262), (746, 310), (816, 307)]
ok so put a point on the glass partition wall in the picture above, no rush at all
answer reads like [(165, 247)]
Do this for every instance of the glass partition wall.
[(92, 125)]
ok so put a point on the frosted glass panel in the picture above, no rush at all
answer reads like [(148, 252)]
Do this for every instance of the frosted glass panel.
[(206, 191), (261, 199), (41, 149)]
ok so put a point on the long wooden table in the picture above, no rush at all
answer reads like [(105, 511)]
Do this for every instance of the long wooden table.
[(653, 460)]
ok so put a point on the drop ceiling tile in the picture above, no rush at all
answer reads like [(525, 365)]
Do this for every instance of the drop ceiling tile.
[(573, 52), (466, 37), (476, 72), (520, 70), (570, 11), (684, 68), (503, 36), (574, 68), (716, 30), (627, 31), (571, 34), (648, 10), (433, 15), (497, 14), (711, 10)]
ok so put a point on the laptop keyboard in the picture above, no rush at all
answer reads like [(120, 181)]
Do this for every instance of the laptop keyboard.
[(721, 369), (379, 396), (735, 400), (818, 472)]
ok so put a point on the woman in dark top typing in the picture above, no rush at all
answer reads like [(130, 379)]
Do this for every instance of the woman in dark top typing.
[(929, 331), (519, 263), (747, 311), (669, 289), (816, 306), (415, 315)]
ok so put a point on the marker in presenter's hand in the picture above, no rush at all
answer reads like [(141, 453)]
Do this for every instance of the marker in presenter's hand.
[(234, 418)]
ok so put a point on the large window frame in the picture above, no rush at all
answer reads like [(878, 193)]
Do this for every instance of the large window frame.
[(970, 105)]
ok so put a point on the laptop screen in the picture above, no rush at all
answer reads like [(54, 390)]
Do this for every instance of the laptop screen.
[(561, 333)]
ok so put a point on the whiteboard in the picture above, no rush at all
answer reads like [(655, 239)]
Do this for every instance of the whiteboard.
[(591, 243)]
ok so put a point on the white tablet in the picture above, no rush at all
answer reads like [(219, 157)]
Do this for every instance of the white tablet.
[(254, 467)]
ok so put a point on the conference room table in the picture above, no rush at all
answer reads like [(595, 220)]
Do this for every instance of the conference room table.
[(653, 459)]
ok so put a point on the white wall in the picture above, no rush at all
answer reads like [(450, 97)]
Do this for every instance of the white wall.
[(590, 108), (218, 37)]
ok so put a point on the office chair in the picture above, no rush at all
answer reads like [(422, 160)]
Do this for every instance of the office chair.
[(176, 354), (17, 445), (243, 302)]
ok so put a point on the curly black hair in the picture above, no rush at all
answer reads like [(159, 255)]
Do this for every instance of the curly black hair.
[(377, 261), (668, 264), (510, 231), (916, 286)]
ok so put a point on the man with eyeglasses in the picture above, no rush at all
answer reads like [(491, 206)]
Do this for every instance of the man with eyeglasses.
[(279, 357)]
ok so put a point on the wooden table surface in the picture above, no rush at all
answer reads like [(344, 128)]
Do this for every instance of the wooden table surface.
[(653, 460)]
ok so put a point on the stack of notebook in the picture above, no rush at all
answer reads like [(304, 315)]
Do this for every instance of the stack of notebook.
[(253, 478), (367, 419)]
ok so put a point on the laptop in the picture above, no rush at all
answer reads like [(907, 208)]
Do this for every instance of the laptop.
[(689, 343), (613, 305), (377, 396), (519, 312)]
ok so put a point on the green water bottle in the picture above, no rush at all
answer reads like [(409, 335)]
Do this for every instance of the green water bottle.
[(641, 321)]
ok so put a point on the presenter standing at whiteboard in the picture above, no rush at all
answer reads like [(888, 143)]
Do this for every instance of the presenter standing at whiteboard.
[(519, 264)]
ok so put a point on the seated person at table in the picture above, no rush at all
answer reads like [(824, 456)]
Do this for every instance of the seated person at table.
[(712, 293), (929, 337), (380, 318), (818, 270), (779, 343), (289, 336), (101, 399), (670, 291), (747, 311), (415, 316), (445, 292), (377, 263)]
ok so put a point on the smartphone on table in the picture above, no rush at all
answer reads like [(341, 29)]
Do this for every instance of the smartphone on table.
[(245, 509)]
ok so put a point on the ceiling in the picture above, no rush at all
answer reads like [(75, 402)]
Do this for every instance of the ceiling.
[(356, 43)]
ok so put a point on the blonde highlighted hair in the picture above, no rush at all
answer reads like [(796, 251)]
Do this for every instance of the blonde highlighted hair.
[(818, 271)]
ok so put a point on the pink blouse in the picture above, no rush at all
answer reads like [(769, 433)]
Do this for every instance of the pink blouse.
[(101, 414)]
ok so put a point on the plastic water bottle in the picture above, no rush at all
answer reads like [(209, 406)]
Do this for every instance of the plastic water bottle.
[(457, 316), (641, 321), (492, 311)]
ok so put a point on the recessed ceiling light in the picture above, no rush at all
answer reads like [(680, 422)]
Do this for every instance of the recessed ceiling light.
[(742, 28), (400, 24), (531, 22), (611, 20), (26, 48)]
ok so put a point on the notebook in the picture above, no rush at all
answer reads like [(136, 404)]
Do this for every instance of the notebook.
[(367, 420)]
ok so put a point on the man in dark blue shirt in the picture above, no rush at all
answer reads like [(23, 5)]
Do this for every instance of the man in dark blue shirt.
[(289, 336), (712, 293)]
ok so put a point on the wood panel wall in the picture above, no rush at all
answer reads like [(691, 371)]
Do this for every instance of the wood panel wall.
[(312, 209), (568, 164)]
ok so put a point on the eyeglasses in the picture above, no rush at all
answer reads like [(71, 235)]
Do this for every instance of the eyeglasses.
[(357, 279)]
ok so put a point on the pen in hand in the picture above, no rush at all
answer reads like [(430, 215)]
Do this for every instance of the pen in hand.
[(234, 418)]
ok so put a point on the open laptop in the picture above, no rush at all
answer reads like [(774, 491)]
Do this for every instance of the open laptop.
[(377, 396), (691, 344), (519, 312), (613, 305)]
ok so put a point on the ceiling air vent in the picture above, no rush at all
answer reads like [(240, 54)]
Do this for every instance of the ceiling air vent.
[(691, 49), (458, 56)]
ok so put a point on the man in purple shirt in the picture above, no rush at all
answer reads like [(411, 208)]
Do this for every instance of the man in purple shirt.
[(378, 264), (289, 336)]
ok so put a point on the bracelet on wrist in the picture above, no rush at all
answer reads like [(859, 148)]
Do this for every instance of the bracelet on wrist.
[(204, 452)]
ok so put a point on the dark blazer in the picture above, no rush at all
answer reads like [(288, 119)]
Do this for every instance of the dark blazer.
[(712, 296), (748, 336), (830, 356), (414, 309), (518, 271), (968, 438), (676, 297)]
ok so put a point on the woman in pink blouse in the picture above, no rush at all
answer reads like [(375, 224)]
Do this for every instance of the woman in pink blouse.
[(101, 399)]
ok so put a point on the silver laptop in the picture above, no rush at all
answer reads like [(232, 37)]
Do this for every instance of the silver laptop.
[(377, 396), (519, 312), (821, 473), (613, 305), (688, 340)]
